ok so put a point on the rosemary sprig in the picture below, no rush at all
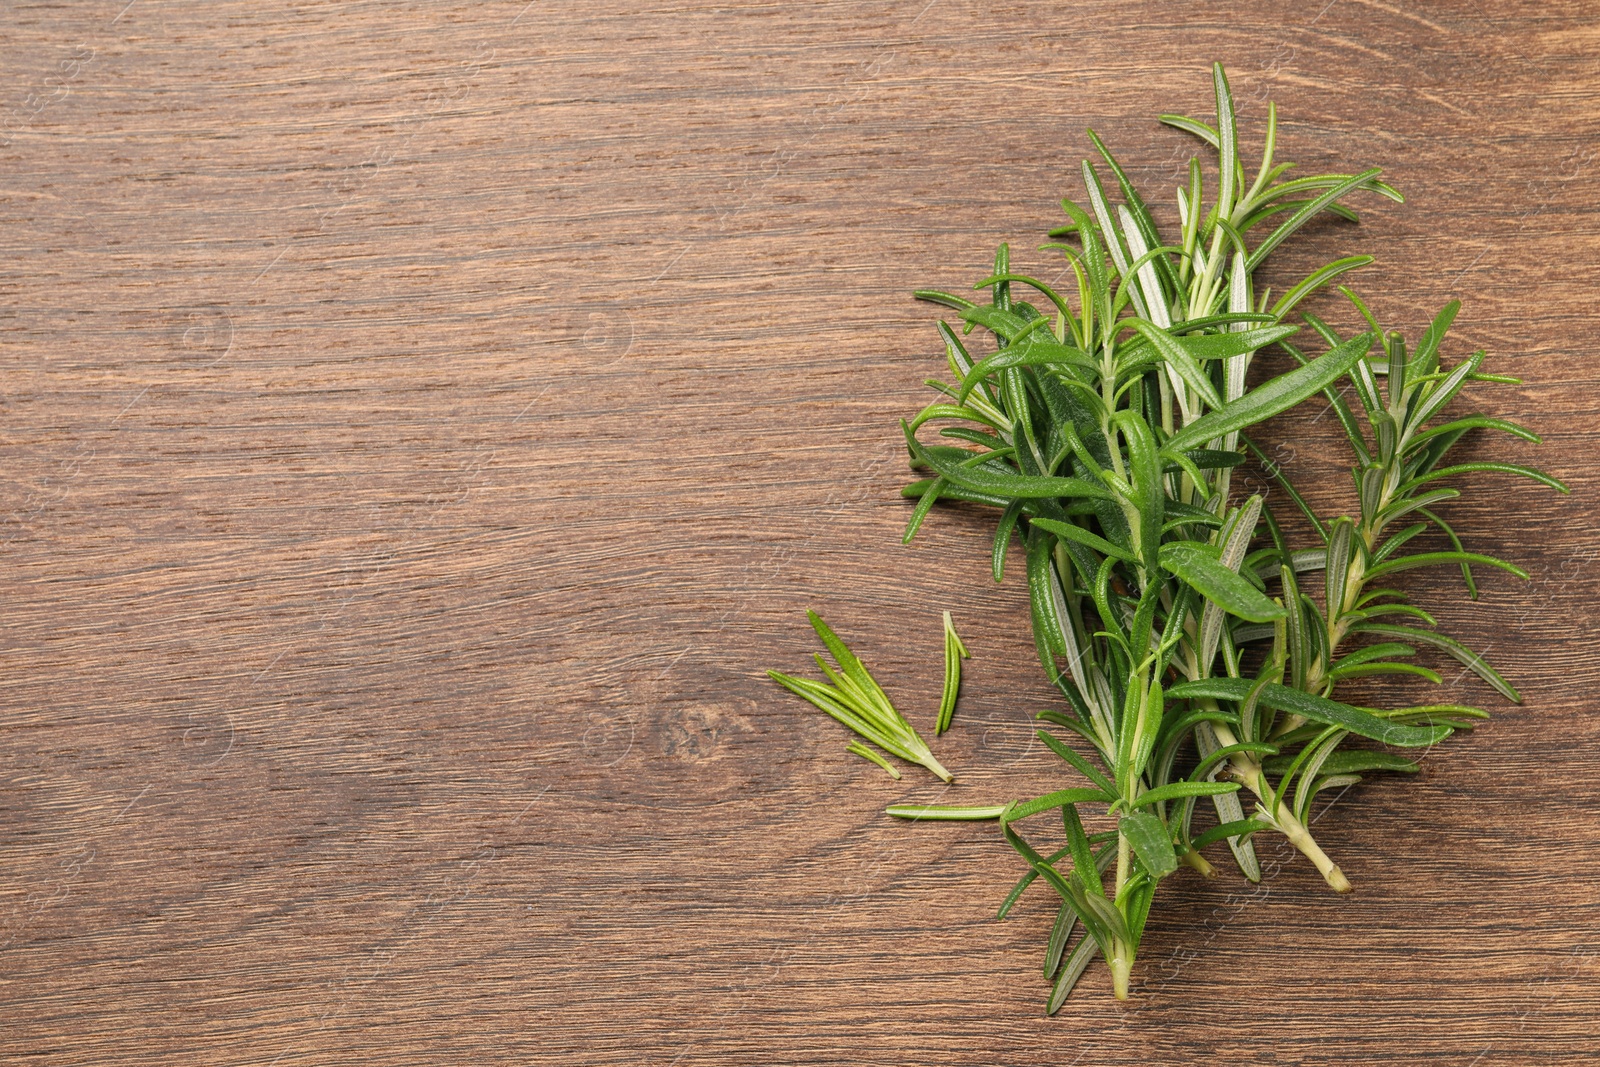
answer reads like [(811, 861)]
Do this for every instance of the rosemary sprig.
[(1104, 431), (1397, 470), (855, 699), (1106, 438)]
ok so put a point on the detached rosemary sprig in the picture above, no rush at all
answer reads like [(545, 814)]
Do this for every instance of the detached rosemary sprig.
[(856, 699)]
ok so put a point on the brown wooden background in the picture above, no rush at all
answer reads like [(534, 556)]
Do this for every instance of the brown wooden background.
[(423, 423)]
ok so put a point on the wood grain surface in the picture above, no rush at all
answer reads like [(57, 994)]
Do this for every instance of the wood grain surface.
[(423, 423)]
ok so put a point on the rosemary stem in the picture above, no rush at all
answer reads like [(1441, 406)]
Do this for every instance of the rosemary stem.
[(1247, 769), (1193, 859), (1300, 835), (936, 767), (1121, 963), (1121, 958)]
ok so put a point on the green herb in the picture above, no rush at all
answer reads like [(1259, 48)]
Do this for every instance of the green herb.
[(954, 653), (1104, 429), (856, 699), (1107, 435), (1398, 467)]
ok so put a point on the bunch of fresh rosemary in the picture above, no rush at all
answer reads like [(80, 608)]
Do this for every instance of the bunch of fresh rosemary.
[(1193, 660)]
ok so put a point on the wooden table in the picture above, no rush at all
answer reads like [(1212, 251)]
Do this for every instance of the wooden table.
[(424, 423)]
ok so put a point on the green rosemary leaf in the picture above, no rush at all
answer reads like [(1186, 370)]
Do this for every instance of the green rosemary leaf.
[(1094, 253), (1393, 609), (1009, 486), (945, 812), (1208, 459), (1050, 801), (1115, 245), (949, 300), (1029, 352), (1313, 707), (867, 754), (976, 437), (954, 653), (1179, 359), (1233, 539), (1474, 662), (1227, 143), (1049, 631), (1341, 549), (1315, 747), (1353, 761), (853, 668), (955, 492), (1060, 932), (1374, 652), (1066, 722), (832, 702), (1174, 790), (1229, 811), (1149, 496), (1083, 766), (1084, 870), (1439, 393), (1324, 181), (1316, 280), (1502, 468), (1307, 213), (1207, 346), (1189, 327), (1151, 842), (1073, 532), (1430, 559), (1422, 503), (1002, 537), (951, 411), (929, 497), (1393, 544), (1476, 422), (1217, 756), (1004, 324), (1426, 358), (1307, 790), (1143, 220), (1460, 716), (1203, 130), (1396, 347), (1364, 670), (1072, 969), (1044, 289), (1276, 396), (1198, 566), (1240, 828)]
